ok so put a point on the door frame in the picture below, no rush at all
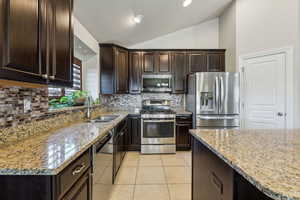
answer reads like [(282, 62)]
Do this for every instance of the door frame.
[(289, 87)]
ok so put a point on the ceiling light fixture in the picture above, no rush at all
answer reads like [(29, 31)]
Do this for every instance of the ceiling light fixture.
[(138, 19), (186, 3)]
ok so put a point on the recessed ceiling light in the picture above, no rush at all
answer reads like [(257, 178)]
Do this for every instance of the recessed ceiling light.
[(186, 3), (138, 19)]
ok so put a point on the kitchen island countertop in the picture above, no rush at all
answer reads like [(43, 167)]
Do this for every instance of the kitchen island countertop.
[(269, 159)]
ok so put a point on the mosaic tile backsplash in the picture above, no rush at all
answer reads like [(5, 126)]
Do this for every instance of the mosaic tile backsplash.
[(12, 105), (15, 124), (135, 101)]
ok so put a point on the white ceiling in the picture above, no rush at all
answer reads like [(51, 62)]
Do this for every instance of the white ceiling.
[(111, 20)]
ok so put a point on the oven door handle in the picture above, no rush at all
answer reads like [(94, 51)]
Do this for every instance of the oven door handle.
[(159, 121)]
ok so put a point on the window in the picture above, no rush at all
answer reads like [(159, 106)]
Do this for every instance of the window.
[(77, 74), (54, 92)]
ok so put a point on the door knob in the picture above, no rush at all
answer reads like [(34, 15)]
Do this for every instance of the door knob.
[(280, 114)]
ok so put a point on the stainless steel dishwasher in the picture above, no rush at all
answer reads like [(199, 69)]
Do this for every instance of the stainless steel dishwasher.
[(103, 167)]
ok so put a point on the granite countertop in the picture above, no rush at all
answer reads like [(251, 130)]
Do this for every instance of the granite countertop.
[(49, 153), (269, 159), (181, 111)]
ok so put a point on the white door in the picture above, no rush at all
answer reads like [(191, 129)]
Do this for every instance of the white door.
[(264, 92)]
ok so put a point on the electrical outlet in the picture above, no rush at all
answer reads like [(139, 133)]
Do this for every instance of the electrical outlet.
[(27, 105)]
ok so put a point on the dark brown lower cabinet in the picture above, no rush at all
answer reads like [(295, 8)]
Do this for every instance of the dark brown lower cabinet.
[(183, 137), (119, 145), (213, 179), (73, 183), (82, 190), (246, 191), (133, 141)]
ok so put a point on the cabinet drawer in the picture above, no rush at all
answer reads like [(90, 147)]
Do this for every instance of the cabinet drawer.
[(81, 190), (187, 119), (73, 172)]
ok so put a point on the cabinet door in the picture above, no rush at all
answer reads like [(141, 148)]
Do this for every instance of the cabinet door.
[(117, 155), (121, 68), (107, 75), (216, 62), (212, 178), (134, 134), (183, 138), (163, 62), (197, 62), (61, 43), (135, 72), (179, 68), (82, 190), (20, 40), (149, 62), (246, 191)]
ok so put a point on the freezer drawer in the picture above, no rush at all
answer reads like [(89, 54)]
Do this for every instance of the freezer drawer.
[(218, 121)]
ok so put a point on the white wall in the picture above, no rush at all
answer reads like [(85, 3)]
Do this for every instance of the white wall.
[(83, 34), (91, 66), (200, 36), (297, 72), (266, 24), (91, 78), (227, 35), (270, 24)]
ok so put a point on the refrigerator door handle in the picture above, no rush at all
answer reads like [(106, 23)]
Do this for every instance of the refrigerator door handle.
[(217, 98), (222, 92), (218, 117)]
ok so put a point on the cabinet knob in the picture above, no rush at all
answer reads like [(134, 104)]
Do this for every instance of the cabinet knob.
[(45, 76)]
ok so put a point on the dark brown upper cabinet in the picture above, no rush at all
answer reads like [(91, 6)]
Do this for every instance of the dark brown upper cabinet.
[(164, 62), (156, 62), (61, 42), (216, 62), (197, 62), (149, 63), (36, 41), (113, 69), (20, 39), (206, 61), (179, 72), (135, 72), (121, 62)]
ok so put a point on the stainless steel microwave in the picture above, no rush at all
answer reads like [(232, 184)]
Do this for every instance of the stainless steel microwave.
[(157, 83)]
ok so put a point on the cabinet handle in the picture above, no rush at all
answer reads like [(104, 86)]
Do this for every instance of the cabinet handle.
[(52, 77), (217, 182), (78, 170), (45, 76)]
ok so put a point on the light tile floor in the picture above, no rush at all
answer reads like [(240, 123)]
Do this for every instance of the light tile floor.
[(151, 177)]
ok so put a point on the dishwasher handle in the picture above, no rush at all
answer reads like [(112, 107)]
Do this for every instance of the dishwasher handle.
[(103, 142)]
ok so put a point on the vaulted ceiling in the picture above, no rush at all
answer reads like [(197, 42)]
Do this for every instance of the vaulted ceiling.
[(111, 20)]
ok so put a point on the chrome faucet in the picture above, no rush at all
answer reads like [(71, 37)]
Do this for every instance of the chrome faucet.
[(89, 109)]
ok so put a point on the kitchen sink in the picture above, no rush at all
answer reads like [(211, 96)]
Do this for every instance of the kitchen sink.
[(104, 118)]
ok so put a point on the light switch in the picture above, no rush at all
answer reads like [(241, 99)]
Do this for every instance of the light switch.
[(27, 105)]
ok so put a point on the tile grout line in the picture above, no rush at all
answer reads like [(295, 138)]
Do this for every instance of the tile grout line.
[(136, 175), (165, 174)]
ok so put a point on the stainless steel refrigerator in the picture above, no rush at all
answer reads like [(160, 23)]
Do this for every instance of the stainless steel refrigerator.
[(214, 99)]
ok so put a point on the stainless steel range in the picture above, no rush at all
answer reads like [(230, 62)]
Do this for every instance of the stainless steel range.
[(158, 127)]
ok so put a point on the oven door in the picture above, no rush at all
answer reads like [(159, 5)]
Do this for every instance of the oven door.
[(158, 131)]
